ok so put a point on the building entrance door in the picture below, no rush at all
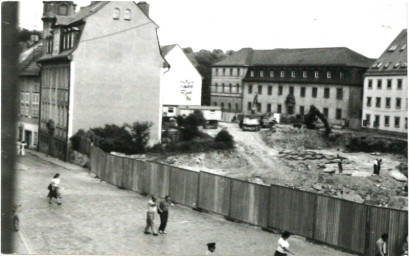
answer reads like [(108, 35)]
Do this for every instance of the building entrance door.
[(28, 138), (290, 110)]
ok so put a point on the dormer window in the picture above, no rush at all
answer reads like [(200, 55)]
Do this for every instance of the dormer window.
[(68, 38), (403, 47), (386, 65), (50, 44), (261, 73), (116, 14), (392, 48), (252, 73), (127, 14), (397, 65), (379, 65)]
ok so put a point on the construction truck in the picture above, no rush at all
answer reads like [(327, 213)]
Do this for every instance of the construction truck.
[(251, 121), (311, 117)]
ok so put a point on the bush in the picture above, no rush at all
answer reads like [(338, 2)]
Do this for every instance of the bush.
[(140, 135), (76, 139), (224, 140)]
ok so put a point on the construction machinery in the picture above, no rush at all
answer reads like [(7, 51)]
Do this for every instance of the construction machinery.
[(311, 117)]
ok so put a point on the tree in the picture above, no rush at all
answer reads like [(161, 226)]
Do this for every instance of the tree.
[(140, 135)]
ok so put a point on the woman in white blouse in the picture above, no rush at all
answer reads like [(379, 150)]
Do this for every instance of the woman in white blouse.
[(283, 245)]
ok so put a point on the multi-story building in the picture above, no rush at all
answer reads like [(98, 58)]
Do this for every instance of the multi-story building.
[(29, 91), (182, 84), (288, 81), (226, 83), (385, 105), (102, 65)]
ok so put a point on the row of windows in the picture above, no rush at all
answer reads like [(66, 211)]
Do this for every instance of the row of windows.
[(59, 132), (49, 95), (314, 91), (25, 110), (27, 85), (388, 84), (117, 13), (68, 38), (227, 72), (386, 121), (388, 100), (378, 65), (55, 77), (305, 74), (50, 111), (228, 106), (226, 88)]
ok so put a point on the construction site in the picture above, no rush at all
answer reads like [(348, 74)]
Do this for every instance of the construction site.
[(308, 159)]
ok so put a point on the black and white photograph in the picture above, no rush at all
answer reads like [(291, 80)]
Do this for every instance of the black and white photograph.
[(160, 127)]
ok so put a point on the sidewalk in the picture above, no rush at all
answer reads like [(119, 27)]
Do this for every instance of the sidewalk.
[(98, 218)]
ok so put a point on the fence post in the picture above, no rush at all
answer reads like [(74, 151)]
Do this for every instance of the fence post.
[(197, 208), (230, 200), (314, 221), (367, 230), (269, 207)]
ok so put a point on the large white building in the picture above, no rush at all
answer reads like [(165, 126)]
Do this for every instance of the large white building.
[(182, 84), (386, 90)]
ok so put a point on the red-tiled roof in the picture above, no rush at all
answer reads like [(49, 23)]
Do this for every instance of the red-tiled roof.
[(338, 56), (393, 59)]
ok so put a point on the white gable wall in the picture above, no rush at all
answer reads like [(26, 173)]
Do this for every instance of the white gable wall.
[(182, 84)]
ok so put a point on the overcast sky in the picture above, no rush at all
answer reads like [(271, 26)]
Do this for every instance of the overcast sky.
[(367, 27)]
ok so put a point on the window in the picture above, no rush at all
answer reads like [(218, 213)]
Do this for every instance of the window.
[(376, 122), (237, 88), (302, 92), (399, 84), (252, 73), (229, 106), (271, 73), (250, 89), (397, 65), (292, 73), (389, 84), (316, 74), (370, 84), (279, 108), (270, 90), (215, 103), (35, 138), (63, 10), (304, 74), (398, 103), (224, 71), (314, 92), (260, 89), (269, 108), (280, 90), (386, 121), (368, 119), (378, 102), (325, 112), (406, 122), (387, 102), (282, 74), (387, 65), (127, 14), (301, 110), (392, 48), (170, 110), (403, 47), (217, 71), (338, 114), (379, 84), (261, 73), (22, 97), (116, 14), (329, 75), (379, 65), (249, 106), (237, 106), (259, 107), (238, 72), (222, 105), (397, 121), (291, 90), (341, 74), (326, 93), (339, 94)]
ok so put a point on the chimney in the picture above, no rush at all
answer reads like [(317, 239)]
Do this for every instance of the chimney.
[(144, 6)]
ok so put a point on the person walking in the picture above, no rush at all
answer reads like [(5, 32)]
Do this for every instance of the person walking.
[(150, 217), (163, 211), (379, 165), (340, 165), (283, 245), (375, 167), (54, 189), (381, 245)]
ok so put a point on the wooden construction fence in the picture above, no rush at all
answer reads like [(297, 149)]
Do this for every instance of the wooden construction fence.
[(343, 224)]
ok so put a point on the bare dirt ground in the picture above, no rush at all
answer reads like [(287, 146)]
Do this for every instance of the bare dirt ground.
[(302, 159)]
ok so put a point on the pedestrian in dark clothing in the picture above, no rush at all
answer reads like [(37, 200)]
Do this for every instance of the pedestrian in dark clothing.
[(379, 165), (375, 167), (54, 190), (340, 164), (211, 248), (163, 211)]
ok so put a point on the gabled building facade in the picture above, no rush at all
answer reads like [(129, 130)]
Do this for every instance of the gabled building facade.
[(182, 83), (29, 79), (385, 104), (226, 83), (102, 65)]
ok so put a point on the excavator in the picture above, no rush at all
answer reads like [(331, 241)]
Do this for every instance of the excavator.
[(311, 117)]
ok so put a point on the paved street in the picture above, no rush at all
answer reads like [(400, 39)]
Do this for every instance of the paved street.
[(98, 218)]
